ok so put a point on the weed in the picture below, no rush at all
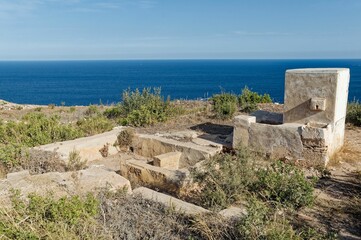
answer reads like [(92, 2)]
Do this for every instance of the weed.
[(224, 105), (38, 109), (75, 162), (125, 138), (104, 151)]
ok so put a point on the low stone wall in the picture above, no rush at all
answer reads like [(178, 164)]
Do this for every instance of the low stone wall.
[(311, 144), (152, 145)]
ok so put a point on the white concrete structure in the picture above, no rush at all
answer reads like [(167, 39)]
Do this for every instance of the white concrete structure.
[(313, 119)]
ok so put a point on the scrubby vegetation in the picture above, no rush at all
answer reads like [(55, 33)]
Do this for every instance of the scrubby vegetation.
[(270, 193), (48, 218), (225, 105), (141, 108), (226, 179), (36, 128), (248, 99), (353, 115)]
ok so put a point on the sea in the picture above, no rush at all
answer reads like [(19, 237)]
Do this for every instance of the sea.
[(102, 82)]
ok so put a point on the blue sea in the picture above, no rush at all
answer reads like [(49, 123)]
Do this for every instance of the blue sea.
[(93, 82)]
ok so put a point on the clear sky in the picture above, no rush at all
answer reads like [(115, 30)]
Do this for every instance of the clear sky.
[(179, 29)]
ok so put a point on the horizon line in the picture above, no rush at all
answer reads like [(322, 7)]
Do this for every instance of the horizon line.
[(167, 59)]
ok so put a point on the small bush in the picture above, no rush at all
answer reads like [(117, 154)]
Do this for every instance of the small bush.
[(34, 129), (75, 162), (125, 138), (224, 105), (225, 179), (353, 115), (92, 110), (95, 125), (285, 184), (141, 108), (248, 100), (261, 222)]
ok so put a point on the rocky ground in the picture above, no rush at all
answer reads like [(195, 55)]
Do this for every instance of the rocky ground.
[(338, 204)]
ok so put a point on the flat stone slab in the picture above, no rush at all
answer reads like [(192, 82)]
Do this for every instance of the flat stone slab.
[(169, 201), (88, 147), (62, 184)]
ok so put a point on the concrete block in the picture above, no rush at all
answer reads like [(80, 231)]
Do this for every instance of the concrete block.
[(168, 160), (303, 85), (169, 201)]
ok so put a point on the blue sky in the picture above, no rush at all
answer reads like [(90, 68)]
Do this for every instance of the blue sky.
[(187, 29)]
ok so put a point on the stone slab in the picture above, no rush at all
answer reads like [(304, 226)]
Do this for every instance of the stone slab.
[(170, 201), (80, 182), (88, 147)]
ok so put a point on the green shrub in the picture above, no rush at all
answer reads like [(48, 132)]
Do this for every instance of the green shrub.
[(354, 113), (34, 129), (248, 100), (261, 222), (285, 184), (225, 179), (141, 108), (114, 112), (94, 125), (224, 105)]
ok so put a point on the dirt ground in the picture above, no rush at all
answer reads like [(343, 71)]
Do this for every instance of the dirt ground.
[(338, 204)]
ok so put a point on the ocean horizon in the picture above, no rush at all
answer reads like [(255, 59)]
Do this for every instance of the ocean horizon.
[(84, 82)]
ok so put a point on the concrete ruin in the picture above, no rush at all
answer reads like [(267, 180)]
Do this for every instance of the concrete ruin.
[(313, 123)]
